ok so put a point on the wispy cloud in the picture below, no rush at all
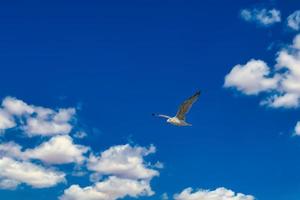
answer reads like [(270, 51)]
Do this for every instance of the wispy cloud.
[(263, 17), (293, 20), (80, 134), (164, 196)]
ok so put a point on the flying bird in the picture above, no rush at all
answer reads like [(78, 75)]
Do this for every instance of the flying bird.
[(179, 119)]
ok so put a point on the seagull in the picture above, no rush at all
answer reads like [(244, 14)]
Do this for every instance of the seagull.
[(179, 119)]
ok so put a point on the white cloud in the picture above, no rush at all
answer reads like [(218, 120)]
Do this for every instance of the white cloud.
[(16, 107), (43, 113), (296, 43), (48, 122), (15, 172), (284, 101), (11, 149), (42, 127), (262, 17), (64, 115), (218, 194), (129, 175), (34, 120), (293, 20), (123, 161), (6, 121), (58, 150), (297, 129), (251, 78), (288, 60), (14, 162), (282, 88), (110, 189)]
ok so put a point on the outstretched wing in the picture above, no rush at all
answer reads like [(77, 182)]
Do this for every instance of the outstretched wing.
[(186, 106), (159, 115)]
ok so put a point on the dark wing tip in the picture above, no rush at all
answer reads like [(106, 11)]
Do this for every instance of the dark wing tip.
[(197, 93), (153, 114)]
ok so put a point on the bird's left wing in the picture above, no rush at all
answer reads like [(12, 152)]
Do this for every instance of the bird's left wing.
[(160, 115), (186, 106)]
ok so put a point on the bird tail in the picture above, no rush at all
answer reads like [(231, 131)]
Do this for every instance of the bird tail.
[(188, 124)]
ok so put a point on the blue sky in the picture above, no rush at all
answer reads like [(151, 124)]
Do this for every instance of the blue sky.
[(116, 62)]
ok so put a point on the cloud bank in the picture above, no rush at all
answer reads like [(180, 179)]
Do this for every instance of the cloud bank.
[(116, 172)]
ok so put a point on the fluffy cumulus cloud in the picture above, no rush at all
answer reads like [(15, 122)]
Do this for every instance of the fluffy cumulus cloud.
[(293, 20), (34, 120), (11, 149), (58, 150), (15, 172), (262, 17), (281, 84), (109, 189), (218, 194), (128, 175), (124, 161), (16, 107), (49, 122), (288, 68), (251, 78), (6, 121)]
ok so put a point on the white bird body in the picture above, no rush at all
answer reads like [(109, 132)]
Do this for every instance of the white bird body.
[(178, 122), (179, 119)]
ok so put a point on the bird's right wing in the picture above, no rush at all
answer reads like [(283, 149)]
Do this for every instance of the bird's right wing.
[(186, 106)]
